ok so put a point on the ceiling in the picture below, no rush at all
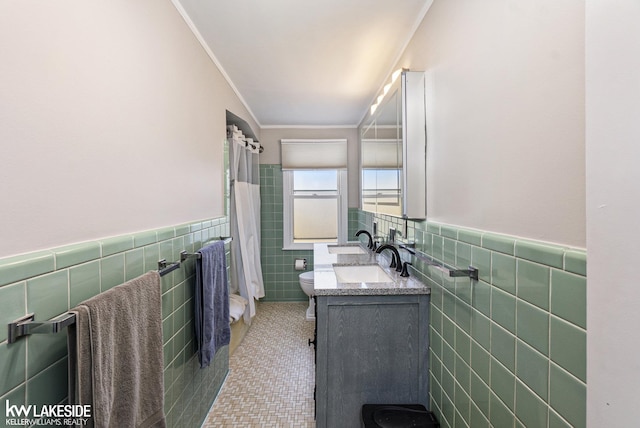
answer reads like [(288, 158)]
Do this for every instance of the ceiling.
[(305, 63)]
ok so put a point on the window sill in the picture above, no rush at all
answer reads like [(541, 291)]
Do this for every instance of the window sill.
[(304, 245)]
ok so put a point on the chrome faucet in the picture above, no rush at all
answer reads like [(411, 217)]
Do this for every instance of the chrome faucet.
[(396, 262), (370, 245)]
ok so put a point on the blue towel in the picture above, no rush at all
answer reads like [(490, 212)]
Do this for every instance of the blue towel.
[(212, 302)]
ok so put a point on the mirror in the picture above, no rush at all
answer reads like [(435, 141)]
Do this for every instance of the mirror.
[(393, 151), (381, 155)]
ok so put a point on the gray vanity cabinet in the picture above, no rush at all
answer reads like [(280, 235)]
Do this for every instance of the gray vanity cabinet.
[(370, 349)]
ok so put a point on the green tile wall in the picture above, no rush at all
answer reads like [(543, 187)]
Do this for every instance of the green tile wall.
[(281, 281), (34, 369), (510, 349)]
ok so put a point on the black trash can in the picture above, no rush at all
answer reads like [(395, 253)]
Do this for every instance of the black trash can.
[(397, 416)]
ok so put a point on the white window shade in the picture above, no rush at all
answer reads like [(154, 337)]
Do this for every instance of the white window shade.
[(380, 154), (313, 154)]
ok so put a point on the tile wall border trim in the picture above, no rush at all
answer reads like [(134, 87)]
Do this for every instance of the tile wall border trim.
[(21, 267)]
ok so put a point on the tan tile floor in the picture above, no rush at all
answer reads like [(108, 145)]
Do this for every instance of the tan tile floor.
[(271, 374)]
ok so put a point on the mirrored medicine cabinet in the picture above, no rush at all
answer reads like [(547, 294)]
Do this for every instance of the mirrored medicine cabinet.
[(393, 151)]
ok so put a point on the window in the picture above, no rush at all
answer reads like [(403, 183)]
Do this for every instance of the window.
[(315, 207), (315, 192)]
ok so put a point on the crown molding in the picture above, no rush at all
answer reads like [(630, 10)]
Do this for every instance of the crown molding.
[(192, 26)]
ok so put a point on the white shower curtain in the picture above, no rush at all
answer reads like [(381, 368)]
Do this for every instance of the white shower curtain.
[(245, 219)]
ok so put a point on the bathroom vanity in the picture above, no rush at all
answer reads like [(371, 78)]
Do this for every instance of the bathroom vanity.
[(372, 336)]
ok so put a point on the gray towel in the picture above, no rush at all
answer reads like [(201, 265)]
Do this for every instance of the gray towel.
[(212, 302), (118, 355), (79, 361)]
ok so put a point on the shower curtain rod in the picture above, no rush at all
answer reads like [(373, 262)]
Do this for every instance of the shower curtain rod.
[(255, 144)]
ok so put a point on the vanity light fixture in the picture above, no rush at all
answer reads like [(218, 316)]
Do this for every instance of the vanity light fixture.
[(394, 77)]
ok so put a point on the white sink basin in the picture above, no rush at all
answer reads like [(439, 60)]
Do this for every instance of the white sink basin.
[(361, 273), (345, 249)]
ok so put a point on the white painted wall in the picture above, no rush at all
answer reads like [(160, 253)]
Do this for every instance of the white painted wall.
[(270, 139), (112, 120), (505, 101), (613, 212)]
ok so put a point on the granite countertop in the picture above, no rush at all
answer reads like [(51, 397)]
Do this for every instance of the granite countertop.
[(326, 283)]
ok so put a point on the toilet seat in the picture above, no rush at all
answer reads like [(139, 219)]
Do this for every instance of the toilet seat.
[(306, 277)]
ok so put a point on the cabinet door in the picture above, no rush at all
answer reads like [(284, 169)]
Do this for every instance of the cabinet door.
[(374, 350), (414, 154), (393, 149)]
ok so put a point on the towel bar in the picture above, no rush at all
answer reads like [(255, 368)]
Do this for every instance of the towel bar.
[(471, 272), (184, 255), (25, 326), (164, 267)]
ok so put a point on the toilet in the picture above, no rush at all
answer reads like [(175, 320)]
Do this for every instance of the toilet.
[(306, 283)]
